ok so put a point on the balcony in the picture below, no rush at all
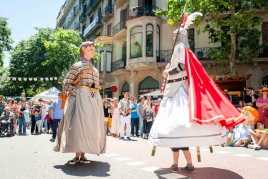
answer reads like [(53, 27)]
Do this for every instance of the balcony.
[(76, 25), (139, 11), (94, 25), (119, 67), (107, 13), (68, 5), (201, 53), (119, 30), (81, 1), (77, 9), (72, 15), (92, 6), (82, 16), (163, 55), (263, 53), (118, 3)]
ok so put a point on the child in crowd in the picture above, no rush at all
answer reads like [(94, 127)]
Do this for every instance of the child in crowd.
[(38, 121), (259, 137), (230, 137)]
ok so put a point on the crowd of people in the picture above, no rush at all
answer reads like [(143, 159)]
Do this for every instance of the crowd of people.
[(251, 133), (39, 116), (130, 117)]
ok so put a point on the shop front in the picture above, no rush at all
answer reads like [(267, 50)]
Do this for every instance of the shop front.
[(148, 85), (234, 84)]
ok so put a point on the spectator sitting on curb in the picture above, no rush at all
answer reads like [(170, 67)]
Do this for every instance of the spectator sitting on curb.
[(259, 137), (230, 137)]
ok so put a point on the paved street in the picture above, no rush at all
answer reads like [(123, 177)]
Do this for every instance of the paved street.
[(32, 157)]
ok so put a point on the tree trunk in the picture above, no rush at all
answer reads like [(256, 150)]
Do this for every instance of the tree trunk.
[(232, 55)]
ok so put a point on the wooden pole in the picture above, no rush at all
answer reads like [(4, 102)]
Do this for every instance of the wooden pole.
[(211, 149), (198, 154), (153, 150)]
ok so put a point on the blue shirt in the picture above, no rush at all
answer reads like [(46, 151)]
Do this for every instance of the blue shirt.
[(58, 111), (134, 114)]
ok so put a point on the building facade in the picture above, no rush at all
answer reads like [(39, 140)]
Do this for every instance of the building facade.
[(138, 44)]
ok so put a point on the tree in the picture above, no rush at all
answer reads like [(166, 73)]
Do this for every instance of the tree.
[(44, 55), (48, 53), (5, 38), (233, 23)]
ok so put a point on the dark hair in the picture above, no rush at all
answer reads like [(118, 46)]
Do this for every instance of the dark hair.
[(85, 44), (140, 98), (260, 122)]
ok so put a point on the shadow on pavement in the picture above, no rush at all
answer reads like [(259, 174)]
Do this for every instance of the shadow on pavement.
[(201, 173), (94, 168)]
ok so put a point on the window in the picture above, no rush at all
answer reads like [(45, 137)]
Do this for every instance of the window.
[(158, 43), (136, 42), (109, 30), (191, 39), (91, 19), (149, 40), (109, 62)]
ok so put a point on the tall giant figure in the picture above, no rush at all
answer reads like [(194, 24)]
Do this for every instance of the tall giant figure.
[(82, 128), (194, 110)]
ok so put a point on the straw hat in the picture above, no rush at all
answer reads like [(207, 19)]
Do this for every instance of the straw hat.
[(264, 88)]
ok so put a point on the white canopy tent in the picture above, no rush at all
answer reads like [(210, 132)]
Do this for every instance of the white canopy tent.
[(50, 94)]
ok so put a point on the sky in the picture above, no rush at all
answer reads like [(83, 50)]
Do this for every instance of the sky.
[(24, 15)]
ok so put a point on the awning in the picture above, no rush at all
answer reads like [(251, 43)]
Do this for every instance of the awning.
[(104, 40)]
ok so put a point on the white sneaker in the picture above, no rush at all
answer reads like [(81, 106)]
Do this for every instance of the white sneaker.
[(256, 147), (250, 146)]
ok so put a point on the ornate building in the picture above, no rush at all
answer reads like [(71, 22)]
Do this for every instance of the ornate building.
[(138, 45)]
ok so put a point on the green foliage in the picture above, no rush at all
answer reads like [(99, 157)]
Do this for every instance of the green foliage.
[(48, 53), (233, 23), (5, 38)]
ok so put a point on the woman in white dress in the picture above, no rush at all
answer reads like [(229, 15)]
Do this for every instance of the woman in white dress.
[(115, 129)]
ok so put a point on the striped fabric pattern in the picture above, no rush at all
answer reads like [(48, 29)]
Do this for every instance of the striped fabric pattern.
[(76, 70)]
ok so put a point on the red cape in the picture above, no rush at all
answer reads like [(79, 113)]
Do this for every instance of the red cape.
[(207, 102)]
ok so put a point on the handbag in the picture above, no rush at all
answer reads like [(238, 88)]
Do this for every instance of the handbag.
[(65, 94)]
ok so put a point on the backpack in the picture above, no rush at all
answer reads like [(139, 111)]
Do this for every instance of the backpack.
[(147, 114)]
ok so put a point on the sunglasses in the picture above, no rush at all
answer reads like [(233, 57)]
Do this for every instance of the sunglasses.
[(264, 91)]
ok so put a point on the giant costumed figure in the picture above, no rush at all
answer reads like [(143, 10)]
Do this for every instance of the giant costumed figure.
[(194, 110)]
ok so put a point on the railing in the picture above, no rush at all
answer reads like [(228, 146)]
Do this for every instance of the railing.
[(119, 26), (90, 4), (263, 52), (139, 11), (119, 64), (96, 21), (201, 53), (107, 10), (76, 8), (163, 55), (76, 25), (82, 16)]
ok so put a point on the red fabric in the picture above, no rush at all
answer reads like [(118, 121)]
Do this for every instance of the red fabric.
[(156, 108), (207, 102)]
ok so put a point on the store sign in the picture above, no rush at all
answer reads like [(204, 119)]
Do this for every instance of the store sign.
[(90, 26), (148, 90)]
